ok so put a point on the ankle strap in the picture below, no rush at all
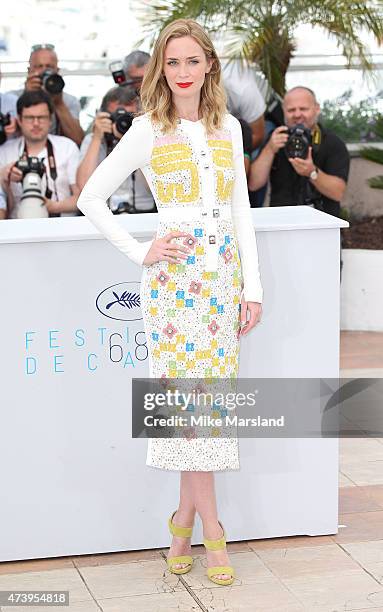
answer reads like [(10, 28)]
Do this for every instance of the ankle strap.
[(216, 544), (182, 532)]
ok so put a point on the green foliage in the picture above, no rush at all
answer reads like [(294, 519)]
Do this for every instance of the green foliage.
[(372, 154), (262, 31), (353, 122), (375, 155), (344, 213), (376, 182)]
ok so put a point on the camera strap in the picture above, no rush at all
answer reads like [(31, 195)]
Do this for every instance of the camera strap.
[(310, 194), (316, 138)]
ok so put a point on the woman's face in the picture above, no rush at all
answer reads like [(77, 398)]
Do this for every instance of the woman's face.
[(185, 66)]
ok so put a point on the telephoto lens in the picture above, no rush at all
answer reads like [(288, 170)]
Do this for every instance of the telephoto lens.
[(32, 204)]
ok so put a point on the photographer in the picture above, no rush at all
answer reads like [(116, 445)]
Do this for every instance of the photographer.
[(117, 107), (134, 66), (37, 171), (8, 123), (43, 74), (306, 163)]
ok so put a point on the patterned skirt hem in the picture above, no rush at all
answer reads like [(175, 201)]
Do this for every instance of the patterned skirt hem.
[(196, 468)]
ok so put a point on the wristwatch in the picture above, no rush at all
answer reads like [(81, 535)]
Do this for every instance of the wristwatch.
[(314, 174)]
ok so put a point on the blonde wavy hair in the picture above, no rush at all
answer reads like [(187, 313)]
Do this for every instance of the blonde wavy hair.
[(156, 95)]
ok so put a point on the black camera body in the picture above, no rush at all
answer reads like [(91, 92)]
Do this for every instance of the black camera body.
[(31, 164), (52, 82), (299, 141), (4, 120), (122, 119)]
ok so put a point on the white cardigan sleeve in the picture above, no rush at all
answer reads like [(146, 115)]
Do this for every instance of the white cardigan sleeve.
[(132, 152), (243, 222)]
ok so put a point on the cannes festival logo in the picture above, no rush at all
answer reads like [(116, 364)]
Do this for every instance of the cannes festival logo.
[(120, 302)]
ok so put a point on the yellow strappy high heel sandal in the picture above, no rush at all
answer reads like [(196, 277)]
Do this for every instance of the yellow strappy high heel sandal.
[(219, 569), (181, 532)]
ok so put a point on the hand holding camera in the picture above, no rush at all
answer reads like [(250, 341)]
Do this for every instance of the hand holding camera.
[(13, 173), (102, 125), (8, 126), (32, 203), (49, 80), (297, 142), (278, 138), (303, 167), (112, 126)]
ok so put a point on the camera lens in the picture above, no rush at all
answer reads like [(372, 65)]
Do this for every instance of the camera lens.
[(123, 122), (52, 82)]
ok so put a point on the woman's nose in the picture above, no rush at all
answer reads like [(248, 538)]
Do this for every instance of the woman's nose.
[(183, 70)]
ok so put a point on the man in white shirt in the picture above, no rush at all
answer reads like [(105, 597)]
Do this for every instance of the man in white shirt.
[(65, 118), (134, 194), (244, 97), (59, 189)]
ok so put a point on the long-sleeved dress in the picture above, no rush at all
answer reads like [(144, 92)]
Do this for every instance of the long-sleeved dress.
[(190, 309)]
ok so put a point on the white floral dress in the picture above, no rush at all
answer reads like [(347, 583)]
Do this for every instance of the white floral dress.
[(190, 309)]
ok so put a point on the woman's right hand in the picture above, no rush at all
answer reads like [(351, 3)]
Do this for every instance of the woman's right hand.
[(163, 249)]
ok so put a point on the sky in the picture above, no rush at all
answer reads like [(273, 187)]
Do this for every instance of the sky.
[(91, 29)]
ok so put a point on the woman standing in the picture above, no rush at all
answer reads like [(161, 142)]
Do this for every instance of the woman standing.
[(200, 289)]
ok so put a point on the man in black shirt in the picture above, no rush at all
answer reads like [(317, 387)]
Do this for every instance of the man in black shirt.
[(321, 178)]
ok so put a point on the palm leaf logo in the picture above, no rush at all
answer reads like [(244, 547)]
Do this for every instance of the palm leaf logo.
[(127, 300)]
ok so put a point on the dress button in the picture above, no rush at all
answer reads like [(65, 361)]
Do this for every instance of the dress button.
[(212, 239), (206, 166)]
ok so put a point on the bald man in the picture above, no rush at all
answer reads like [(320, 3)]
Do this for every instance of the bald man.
[(67, 108), (321, 178)]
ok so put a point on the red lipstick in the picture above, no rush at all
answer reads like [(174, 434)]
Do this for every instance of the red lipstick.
[(184, 85)]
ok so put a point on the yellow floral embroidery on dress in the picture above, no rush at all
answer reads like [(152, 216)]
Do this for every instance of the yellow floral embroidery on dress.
[(222, 151), (173, 158)]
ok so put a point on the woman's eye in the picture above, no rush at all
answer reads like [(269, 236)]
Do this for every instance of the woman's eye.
[(171, 62), (194, 61)]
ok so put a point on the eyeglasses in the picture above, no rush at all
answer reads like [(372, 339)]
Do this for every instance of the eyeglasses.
[(32, 118), (44, 46)]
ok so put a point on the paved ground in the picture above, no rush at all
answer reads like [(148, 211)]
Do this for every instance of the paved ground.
[(311, 574)]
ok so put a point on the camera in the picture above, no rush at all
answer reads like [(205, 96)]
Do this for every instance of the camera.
[(32, 203), (122, 119), (52, 82), (4, 120), (299, 142)]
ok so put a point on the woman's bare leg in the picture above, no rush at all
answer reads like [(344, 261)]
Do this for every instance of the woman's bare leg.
[(184, 517), (203, 494)]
